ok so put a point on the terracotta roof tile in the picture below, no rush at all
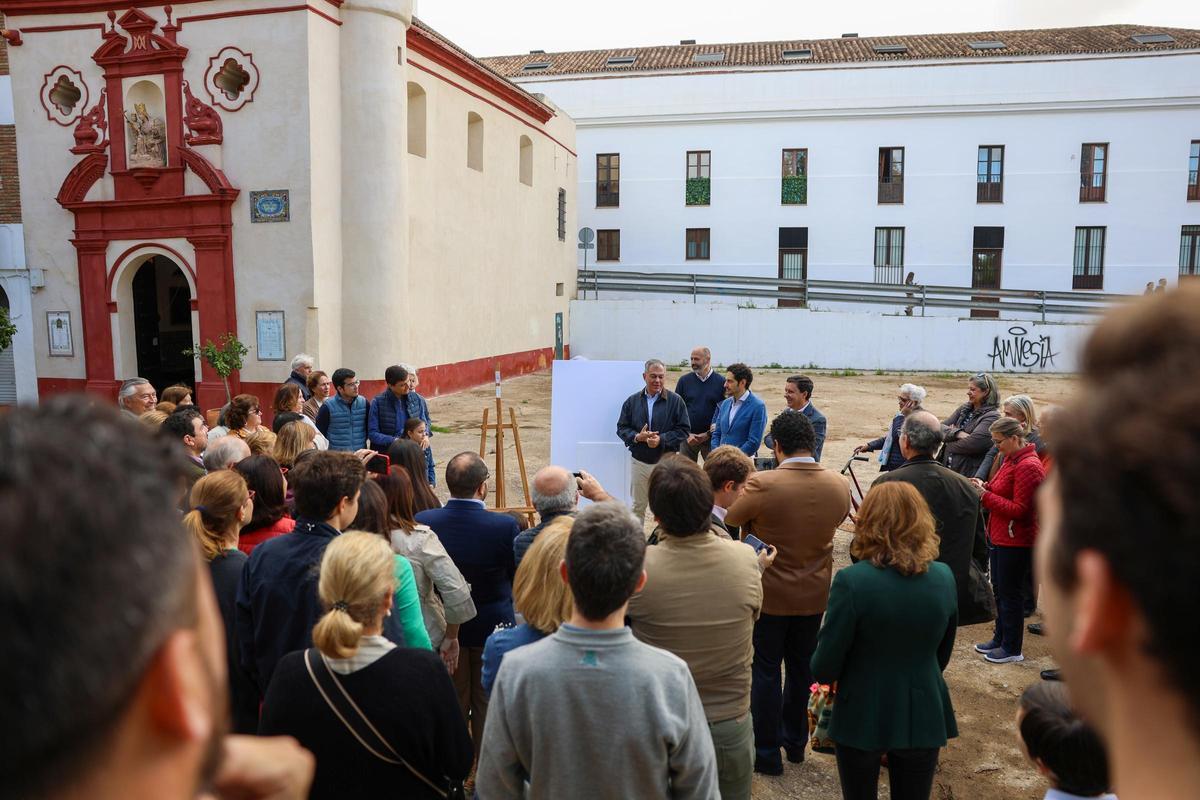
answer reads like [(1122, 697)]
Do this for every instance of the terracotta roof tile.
[(1052, 41)]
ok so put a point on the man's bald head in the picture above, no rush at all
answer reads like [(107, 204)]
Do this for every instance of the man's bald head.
[(920, 435), (554, 490)]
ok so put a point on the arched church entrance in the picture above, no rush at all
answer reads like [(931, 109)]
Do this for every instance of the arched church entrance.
[(162, 322)]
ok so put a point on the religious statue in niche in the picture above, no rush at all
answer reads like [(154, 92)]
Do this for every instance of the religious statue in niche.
[(147, 138), (203, 123)]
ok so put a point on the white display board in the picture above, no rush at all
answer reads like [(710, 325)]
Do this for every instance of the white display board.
[(586, 398)]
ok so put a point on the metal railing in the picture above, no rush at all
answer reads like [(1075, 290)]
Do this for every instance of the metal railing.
[(907, 296)]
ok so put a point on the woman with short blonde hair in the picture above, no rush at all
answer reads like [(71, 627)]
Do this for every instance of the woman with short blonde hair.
[(405, 693), (540, 595), (153, 419), (897, 606), (1019, 407)]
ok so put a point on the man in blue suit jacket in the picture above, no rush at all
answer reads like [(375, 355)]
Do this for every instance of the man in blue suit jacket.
[(797, 393), (480, 542), (742, 416)]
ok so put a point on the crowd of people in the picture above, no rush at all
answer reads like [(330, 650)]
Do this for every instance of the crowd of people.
[(187, 618)]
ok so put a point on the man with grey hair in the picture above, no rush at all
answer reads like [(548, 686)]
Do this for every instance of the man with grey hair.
[(223, 453), (653, 421), (954, 503), (555, 493), (909, 398), (136, 397), (302, 366)]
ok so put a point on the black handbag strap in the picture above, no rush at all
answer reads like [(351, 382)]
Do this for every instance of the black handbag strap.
[(345, 709)]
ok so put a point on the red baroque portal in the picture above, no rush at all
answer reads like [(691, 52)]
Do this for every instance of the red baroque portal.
[(146, 153)]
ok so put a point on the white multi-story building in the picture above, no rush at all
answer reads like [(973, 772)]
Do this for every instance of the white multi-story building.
[(1042, 159)]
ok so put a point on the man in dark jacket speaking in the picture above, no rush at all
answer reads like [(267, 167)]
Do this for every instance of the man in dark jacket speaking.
[(953, 502), (653, 421)]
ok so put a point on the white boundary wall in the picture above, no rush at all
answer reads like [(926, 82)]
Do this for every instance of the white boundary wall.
[(641, 329)]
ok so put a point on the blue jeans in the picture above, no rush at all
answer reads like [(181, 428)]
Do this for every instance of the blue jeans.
[(1010, 572), (781, 721)]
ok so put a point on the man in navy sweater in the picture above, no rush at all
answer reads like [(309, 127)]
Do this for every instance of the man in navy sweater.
[(702, 391), (480, 542)]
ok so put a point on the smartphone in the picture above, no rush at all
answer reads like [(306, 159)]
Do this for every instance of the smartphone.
[(379, 464), (758, 544)]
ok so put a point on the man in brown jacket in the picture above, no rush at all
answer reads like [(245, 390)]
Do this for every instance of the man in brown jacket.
[(796, 508)]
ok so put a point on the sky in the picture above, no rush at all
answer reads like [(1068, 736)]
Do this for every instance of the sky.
[(504, 28)]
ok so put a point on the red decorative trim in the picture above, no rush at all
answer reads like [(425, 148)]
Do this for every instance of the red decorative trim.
[(213, 178), (90, 132), (47, 86), (477, 96), (12, 8), (12, 37), (218, 97), (56, 28), (81, 178), (255, 12), (179, 260), (52, 386), (446, 378), (203, 124), (420, 42)]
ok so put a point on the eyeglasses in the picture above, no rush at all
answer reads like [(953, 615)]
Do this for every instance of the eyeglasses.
[(349, 384)]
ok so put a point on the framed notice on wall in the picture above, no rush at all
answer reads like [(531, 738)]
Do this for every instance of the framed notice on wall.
[(58, 325), (271, 344)]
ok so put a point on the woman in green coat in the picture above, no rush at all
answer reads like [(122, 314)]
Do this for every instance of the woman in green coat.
[(887, 636)]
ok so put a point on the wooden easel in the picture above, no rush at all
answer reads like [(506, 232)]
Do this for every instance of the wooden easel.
[(499, 427)]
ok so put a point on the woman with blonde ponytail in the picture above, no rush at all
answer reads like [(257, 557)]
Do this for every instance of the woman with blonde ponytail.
[(220, 505), (406, 693)]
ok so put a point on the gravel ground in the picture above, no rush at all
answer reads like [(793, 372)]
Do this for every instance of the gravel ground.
[(983, 763)]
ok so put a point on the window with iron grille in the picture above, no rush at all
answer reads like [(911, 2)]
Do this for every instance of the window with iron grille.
[(1093, 173), (889, 255), (697, 244), (608, 245), (891, 175), (1193, 192), (698, 190), (608, 180), (989, 180), (794, 191), (1189, 251), (1089, 259), (562, 215)]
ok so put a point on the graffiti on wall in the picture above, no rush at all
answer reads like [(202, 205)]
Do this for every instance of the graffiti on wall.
[(1019, 350)]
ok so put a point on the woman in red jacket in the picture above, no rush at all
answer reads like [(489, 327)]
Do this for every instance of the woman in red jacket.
[(1012, 528)]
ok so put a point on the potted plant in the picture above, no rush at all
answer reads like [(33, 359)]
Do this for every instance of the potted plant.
[(224, 357)]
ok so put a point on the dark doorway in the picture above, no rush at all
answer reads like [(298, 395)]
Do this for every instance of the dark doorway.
[(162, 322), (987, 258)]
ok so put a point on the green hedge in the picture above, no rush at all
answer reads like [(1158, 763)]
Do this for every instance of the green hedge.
[(698, 192), (795, 190)]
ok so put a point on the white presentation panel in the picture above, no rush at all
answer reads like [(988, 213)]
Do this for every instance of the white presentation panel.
[(586, 398)]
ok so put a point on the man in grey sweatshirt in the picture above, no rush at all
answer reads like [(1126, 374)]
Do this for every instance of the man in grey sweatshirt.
[(590, 711)]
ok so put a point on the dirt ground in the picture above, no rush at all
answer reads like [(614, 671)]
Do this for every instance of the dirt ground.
[(983, 763)]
